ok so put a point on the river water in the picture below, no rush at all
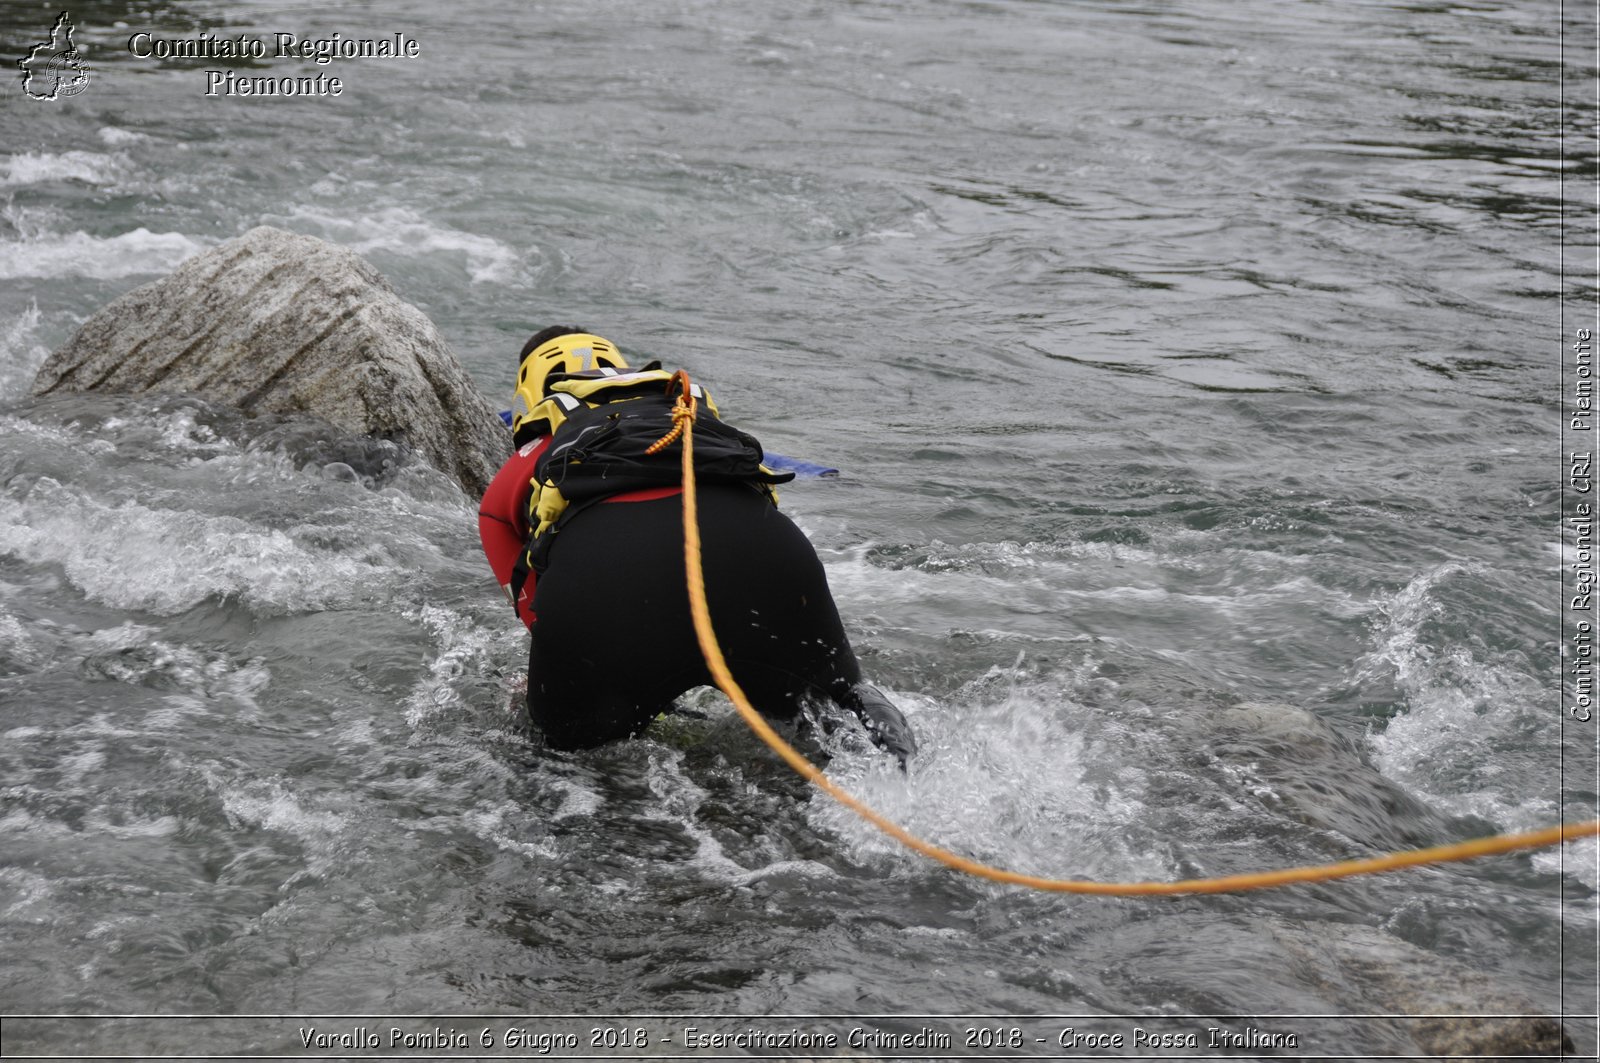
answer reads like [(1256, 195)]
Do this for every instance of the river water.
[(1193, 368)]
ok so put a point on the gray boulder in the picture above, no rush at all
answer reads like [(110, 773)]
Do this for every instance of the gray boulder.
[(1345, 988), (278, 323), (1462, 1013)]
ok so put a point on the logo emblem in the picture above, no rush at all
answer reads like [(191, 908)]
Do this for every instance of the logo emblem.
[(54, 68)]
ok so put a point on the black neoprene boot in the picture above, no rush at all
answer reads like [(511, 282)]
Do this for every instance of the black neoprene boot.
[(884, 723)]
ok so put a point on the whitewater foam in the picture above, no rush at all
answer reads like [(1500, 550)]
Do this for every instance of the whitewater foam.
[(1049, 577), (166, 561), (269, 804), (79, 254), (1463, 714), (402, 231), (1009, 781), (490, 824), (27, 891), (21, 354), (115, 135), (29, 168), (463, 648), (681, 797), (17, 651)]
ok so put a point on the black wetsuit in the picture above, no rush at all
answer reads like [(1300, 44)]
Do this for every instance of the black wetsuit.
[(614, 644)]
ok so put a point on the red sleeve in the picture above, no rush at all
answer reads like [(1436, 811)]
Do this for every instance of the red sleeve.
[(503, 524)]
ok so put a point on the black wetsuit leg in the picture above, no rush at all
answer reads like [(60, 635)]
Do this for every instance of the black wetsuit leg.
[(614, 643)]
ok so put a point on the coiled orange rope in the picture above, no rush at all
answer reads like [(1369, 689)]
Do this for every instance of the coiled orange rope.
[(1229, 884)]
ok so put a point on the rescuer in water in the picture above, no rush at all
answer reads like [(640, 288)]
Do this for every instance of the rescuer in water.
[(585, 536)]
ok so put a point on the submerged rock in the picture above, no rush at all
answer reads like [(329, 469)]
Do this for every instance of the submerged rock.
[(1303, 769), (1461, 1012), (1319, 989), (278, 323)]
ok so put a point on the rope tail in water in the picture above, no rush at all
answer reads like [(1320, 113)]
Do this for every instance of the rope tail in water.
[(683, 416)]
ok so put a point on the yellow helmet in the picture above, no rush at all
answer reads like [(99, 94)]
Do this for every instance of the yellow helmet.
[(573, 353)]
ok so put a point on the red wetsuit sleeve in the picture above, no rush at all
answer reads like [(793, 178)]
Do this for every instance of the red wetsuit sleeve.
[(503, 522)]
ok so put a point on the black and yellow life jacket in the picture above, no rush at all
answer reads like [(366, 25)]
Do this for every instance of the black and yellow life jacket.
[(602, 423)]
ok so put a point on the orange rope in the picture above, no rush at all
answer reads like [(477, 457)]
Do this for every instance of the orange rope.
[(1232, 883)]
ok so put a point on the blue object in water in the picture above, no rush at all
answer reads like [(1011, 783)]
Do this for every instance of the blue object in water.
[(804, 470)]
